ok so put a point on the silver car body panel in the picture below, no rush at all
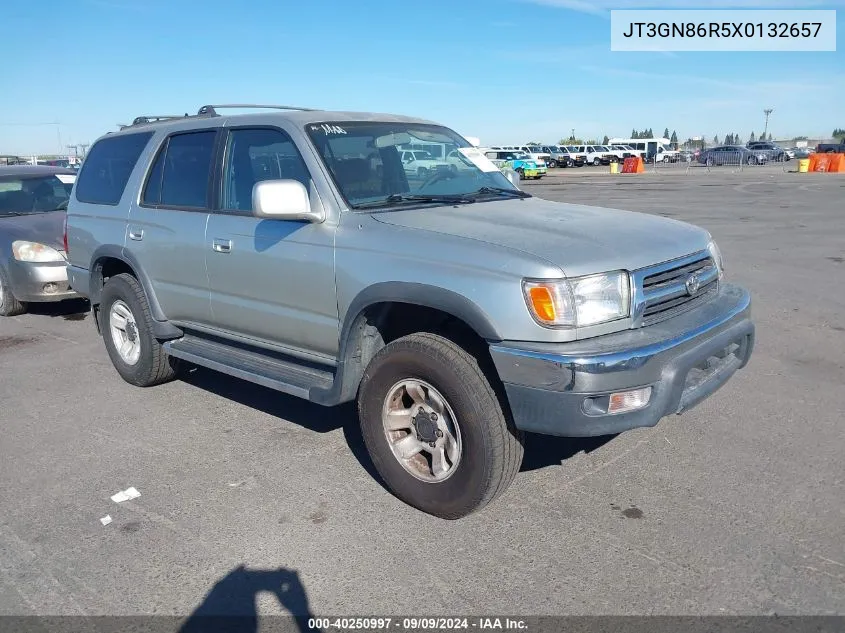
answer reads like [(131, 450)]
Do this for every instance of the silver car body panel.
[(297, 287)]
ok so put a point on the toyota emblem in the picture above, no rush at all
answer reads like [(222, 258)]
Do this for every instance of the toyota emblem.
[(693, 283)]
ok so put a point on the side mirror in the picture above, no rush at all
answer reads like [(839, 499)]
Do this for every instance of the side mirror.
[(283, 200)]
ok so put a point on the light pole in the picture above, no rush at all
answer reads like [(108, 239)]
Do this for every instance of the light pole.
[(572, 138), (767, 112)]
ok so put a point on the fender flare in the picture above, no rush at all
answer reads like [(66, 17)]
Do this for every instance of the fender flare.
[(423, 295), (350, 367), (162, 328)]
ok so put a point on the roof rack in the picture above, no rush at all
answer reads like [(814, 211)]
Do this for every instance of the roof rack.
[(146, 120), (205, 111), (211, 110)]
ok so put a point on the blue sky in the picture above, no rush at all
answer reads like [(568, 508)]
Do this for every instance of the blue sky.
[(506, 71)]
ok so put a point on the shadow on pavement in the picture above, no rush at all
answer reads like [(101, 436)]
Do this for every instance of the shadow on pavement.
[(542, 451), (313, 417), (70, 310), (231, 606)]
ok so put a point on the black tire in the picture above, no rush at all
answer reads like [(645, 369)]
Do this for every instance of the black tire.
[(521, 172), (492, 447), (153, 366), (552, 164), (752, 160), (9, 304), (597, 162)]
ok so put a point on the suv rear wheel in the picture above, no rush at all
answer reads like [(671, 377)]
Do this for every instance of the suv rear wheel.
[(435, 428), (128, 334)]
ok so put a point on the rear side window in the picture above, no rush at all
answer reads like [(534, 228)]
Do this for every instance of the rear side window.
[(180, 174), (108, 166)]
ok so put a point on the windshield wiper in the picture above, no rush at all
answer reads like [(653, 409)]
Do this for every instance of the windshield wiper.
[(456, 198), (399, 198), (496, 191)]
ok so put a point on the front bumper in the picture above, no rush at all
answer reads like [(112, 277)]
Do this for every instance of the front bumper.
[(35, 282), (558, 389)]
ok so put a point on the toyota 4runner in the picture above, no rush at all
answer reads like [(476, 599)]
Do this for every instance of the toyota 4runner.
[(290, 248)]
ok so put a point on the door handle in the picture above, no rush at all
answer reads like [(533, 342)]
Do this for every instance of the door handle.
[(136, 234), (221, 246)]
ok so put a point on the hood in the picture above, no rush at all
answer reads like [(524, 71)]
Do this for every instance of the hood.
[(579, 239), (45, 228)]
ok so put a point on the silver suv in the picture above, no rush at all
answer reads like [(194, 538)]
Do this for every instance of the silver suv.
[(290, 248)]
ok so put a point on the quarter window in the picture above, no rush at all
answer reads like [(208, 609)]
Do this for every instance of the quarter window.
[(108, 166)]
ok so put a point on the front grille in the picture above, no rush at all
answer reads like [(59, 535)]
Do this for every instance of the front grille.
[(661, 291)]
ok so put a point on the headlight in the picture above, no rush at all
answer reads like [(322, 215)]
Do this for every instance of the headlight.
[(581, 301), (716, 254), (35, 252)]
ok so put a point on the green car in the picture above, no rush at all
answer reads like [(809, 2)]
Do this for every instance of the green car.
[(521, 163)]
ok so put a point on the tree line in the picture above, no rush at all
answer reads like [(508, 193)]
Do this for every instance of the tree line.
[(649, 133)]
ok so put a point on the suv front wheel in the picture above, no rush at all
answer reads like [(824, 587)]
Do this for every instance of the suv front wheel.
[(434, 427), (126, 324)]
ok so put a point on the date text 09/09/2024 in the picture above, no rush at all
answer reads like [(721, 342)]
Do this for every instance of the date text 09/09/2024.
[(722, 29), (417, 624)]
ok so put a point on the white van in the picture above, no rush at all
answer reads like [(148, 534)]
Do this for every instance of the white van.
[(656, 149)]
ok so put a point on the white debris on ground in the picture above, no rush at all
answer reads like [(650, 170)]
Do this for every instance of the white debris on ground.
[(125, 495), (106, 519)]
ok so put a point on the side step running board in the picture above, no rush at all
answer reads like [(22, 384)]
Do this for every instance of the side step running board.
[(255, 365)]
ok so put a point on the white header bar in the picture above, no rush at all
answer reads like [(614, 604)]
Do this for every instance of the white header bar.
[(723, 30)]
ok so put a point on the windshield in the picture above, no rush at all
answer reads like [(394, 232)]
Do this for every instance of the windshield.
[(34, 194), (371, 171)]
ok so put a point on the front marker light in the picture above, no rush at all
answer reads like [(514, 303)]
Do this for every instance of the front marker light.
[(625, 401), (34, 252), (550, 303), (716, 254), (579, 302)]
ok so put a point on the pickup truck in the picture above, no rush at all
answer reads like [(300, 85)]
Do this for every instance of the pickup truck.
[(460, 312), (664, 155)]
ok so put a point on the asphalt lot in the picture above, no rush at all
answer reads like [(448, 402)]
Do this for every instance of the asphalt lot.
[(733, 508)]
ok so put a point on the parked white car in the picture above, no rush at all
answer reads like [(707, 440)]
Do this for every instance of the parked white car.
[(420, 164), (596, 154), (665, 155), (626, 151)]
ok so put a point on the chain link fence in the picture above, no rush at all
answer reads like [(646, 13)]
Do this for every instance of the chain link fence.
[(722, 158)]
